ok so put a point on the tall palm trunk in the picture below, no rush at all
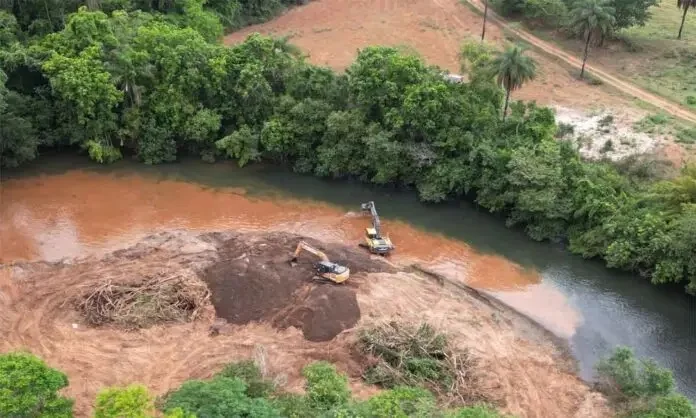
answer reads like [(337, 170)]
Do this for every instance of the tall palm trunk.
[(686, 9), (584, 58), (507, 102), (485, 16)]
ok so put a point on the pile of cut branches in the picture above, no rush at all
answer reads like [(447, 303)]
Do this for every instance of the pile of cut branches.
[(153, 300), (418, 355)]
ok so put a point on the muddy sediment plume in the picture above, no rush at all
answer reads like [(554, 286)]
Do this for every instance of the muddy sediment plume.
[(254, 281)]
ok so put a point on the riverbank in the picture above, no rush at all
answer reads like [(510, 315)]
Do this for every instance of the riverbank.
[(521, 369), (64, 206)]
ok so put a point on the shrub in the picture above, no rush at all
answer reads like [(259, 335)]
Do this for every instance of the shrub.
[(29, 388), (672, 406), (248, 372), (550, 13), (691, 100), (564, 129), (607, 120), (325, 387), (686, 135), (220, 397), (133, 401), (641, 388), (417, 356), (632, 377), (291, 405), (607, 147), (401, 402)]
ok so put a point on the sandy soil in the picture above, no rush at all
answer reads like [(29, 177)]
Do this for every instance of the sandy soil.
[(522, 367)]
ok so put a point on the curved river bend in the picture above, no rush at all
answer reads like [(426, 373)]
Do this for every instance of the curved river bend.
[(64, 206)]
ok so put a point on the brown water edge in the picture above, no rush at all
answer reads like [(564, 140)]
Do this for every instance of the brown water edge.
[(51, 217)]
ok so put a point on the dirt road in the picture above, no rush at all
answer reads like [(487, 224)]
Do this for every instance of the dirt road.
[(624, 86)]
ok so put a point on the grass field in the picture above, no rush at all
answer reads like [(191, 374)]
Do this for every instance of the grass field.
[(650, 55), (669, 63)]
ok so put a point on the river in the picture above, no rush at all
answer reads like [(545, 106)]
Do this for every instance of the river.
[(65, 206)]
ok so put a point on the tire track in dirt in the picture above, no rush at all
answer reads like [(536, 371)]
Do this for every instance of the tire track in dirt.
[(621, 85)]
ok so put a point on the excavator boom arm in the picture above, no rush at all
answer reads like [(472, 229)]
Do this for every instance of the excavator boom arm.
[(304, 246), (370, 206)]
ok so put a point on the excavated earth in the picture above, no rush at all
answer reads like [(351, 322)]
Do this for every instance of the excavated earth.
[(263, 308), (254, 281)]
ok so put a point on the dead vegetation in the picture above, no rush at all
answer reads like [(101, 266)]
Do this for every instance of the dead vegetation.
[(419, 355), (142, 304)]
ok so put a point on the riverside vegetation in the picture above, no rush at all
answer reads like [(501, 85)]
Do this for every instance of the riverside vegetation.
[(408, 362), (157, 84)]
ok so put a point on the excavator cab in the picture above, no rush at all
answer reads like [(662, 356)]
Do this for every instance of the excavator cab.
[(374, 241), (325, 268)]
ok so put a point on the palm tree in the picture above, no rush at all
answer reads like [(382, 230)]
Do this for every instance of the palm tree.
[(594, 19), (485, 16), (513, 69), (684, 4)]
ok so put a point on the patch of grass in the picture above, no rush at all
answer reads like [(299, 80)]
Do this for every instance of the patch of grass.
[(592, 80), (666, 63), (686, 135), (429, 23), (654, 123)]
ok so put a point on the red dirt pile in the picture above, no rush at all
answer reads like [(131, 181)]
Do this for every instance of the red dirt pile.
[(254, 281)]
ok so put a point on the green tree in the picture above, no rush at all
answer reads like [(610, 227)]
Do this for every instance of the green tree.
[(249, 373), (592, 19), (325, 387), (684, 4), (133, 401), (630, 13), (671, 406), (512, 69), (29, 388), (18, 137), (220, 397)]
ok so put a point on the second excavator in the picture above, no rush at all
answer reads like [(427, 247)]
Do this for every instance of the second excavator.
[(374, 240), (325, 268)]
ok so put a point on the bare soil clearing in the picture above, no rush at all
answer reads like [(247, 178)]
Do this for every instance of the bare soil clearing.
[(521, 366), (332, 31), (255, 282)]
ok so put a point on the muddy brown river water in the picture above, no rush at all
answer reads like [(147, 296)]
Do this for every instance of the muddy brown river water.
[(64, 206)]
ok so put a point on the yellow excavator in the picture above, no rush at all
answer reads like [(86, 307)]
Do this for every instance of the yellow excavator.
[(325, 268), (374, 241)]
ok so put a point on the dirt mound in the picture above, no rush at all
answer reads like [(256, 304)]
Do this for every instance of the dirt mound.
[(254, 281)]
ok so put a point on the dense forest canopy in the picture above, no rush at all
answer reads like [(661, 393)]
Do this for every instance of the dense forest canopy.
[(151, 79)]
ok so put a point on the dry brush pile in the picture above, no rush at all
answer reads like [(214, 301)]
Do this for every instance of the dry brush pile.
[(140, 304), (419, 355)]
